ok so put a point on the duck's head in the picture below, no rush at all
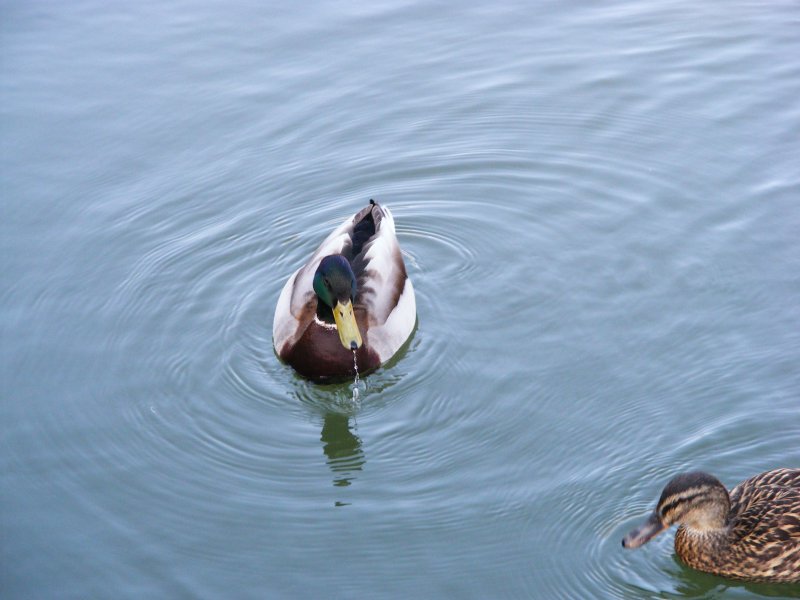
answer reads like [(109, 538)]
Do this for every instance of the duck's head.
[(335, 285), (695, 500)]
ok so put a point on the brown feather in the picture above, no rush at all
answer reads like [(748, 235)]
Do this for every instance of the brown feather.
[(761, 540)]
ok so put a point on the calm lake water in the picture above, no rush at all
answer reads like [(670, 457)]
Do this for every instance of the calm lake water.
[(598, 204)]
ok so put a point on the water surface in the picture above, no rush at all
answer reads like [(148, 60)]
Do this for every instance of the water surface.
[(598, 209)]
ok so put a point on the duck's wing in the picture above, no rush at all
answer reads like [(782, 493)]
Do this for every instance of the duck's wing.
[(385, 291), (297, 303), (767, 507)]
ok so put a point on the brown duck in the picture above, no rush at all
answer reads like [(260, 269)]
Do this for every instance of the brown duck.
[(752, 534)]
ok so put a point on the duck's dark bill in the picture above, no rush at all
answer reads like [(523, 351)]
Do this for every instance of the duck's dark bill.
[(346, 325), (644, 533)]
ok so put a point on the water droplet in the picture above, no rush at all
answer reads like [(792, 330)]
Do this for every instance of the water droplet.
[(356, 392)]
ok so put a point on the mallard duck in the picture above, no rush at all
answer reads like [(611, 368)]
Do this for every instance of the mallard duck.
[(753, 533), (351, 303)]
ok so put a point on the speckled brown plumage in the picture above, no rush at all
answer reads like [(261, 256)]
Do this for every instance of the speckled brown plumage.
[(752, 534), (762, 538)]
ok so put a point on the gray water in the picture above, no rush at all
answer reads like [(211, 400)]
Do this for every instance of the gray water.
[(598, 206)]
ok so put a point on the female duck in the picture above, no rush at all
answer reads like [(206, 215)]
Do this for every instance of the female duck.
[(751, 534), (351, 301)]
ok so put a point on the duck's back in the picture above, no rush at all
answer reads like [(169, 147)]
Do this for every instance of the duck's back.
[(765, 525)]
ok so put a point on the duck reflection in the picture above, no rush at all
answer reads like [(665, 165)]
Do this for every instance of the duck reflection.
[(696, 584), (342, 448)]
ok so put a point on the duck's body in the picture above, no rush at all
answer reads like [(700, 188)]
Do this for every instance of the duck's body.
[(752, 534), (304, 333)]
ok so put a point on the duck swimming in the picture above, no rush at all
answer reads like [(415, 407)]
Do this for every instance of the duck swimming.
[(353, 296), (752, 534)]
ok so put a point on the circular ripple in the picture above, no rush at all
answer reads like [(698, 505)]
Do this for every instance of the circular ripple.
[(478, 225)]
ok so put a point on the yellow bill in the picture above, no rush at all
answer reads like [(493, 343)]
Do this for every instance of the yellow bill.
[(347, 326)]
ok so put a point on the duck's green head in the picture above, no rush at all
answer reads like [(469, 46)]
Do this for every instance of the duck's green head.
[(335, 285)]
